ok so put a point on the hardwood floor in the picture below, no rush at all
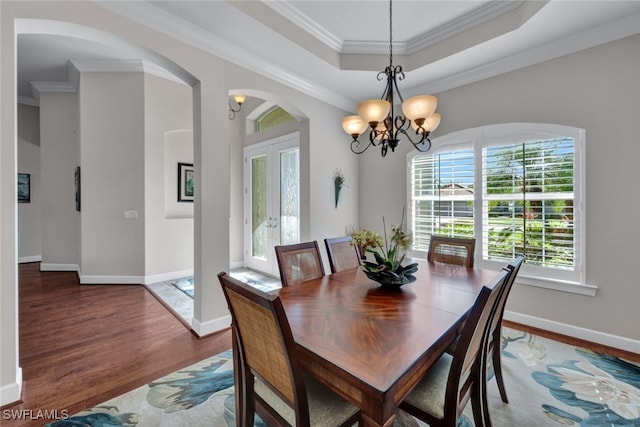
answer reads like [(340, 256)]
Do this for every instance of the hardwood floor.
[(83, 344), (600, 348)]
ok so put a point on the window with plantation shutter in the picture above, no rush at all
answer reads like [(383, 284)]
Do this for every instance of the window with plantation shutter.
[(516, 188), (442, 196), (528, 202)]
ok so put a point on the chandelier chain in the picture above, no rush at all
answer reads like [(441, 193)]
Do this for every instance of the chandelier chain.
[(390, 35)]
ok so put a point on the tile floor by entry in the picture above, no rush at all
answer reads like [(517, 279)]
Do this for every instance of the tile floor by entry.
[(181, 305)]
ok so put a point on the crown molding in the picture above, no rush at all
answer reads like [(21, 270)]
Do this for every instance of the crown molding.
[(27, 100), (470, 20), (476, 17), (76, 67), (179, 29), (625, 27), (303, 21), (123, 66)]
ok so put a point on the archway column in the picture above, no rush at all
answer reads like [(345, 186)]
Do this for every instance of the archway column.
[(10, 372), (211, 154)]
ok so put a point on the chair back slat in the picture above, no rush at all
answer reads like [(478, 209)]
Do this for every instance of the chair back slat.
[(513, 269), (299, 262), (452, 250), (468, 357), (342, 254), (262, 343), (263, 337)]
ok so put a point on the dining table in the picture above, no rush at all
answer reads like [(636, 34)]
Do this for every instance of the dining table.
[(372, 345)]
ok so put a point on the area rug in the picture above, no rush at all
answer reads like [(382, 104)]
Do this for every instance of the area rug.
[(548, 384), (185, 285), (258, 280), (253, 278)]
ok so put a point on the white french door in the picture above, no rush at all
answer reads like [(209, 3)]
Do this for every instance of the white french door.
[(271, 200)]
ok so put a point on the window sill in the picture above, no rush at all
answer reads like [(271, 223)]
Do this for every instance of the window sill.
[(557, 285)]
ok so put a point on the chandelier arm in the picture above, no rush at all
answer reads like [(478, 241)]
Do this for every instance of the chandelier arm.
[(355, 144), (398, 74), (423, 144)]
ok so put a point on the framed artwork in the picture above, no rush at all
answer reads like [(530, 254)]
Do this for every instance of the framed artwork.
[(76, 176), (24, 188), (185, 182)]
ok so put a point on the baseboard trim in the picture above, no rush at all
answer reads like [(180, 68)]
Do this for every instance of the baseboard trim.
[(110, 280), (49, 266), (10, 393), (598, 337), (32, 258), (164, 277), (211, 326)]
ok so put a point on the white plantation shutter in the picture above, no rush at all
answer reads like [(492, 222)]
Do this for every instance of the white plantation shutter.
[(442, 196), (528, 194), (516, 188)]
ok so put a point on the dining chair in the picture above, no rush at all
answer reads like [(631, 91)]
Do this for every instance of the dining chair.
[(494, 348), (299, 262), (273, 383), (452, 250), (449, 384), (342, 254)]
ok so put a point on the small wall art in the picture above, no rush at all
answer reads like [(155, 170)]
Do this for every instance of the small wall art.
[(76, 176), (185, 182), (24, 188)]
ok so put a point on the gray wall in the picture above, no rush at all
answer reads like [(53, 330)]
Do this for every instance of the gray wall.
[(29, 214), (168, 140), (112, 126), (59, 156), (596, 89)]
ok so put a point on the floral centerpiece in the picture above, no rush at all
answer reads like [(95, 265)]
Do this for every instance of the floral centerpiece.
[(389, 253)]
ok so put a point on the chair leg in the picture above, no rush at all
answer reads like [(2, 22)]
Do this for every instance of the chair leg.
[(497, 370)]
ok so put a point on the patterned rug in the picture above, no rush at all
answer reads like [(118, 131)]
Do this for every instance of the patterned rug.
[(185, 285), (253, 278), (548, 384)]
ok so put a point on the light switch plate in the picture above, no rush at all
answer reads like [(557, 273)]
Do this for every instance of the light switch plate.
[(130, 214)]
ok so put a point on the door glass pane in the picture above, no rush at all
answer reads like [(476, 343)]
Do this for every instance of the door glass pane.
[(259, 207), (289, 197)]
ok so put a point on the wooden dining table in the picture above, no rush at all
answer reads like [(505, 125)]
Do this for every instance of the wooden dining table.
[(371, 345)]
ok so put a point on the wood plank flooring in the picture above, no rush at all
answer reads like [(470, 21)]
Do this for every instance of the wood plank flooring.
[(83, 344)]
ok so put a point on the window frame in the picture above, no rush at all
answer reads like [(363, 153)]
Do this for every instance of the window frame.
[(509, 133)]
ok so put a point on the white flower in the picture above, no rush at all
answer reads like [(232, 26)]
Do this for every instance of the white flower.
[(530, 352), (597, 386)]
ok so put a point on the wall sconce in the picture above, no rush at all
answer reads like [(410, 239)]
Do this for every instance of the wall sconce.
[(239, 99)]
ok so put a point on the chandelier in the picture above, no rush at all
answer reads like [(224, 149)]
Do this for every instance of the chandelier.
[(419, 117)]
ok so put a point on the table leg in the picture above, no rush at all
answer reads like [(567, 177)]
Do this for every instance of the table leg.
[(368, 422)]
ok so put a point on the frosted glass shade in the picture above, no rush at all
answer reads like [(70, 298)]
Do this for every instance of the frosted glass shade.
[(239, 98), (354, 125), (419, 107), (430, 124), (374, 110)]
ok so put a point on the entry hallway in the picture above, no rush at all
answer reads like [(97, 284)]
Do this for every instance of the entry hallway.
[(82, 345)]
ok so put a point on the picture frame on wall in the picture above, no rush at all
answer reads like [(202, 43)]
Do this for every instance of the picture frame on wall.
[(76, 178), (185, 182), (24, 188)]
